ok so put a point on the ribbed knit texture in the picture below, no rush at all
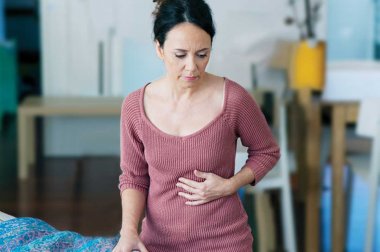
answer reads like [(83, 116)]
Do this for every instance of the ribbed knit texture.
[(152, 161)]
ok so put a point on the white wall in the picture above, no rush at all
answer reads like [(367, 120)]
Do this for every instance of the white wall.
[(91, 136), (246, 33)]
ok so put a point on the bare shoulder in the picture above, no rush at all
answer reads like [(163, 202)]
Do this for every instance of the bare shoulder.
[(153, 91), (216, 80), (153, 99), (216, 85)]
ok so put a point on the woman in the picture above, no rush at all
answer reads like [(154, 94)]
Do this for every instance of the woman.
[(178, 145)]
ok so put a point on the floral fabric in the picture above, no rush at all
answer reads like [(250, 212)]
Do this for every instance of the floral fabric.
[(30, 234)]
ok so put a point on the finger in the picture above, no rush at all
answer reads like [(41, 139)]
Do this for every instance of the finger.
[(201, 174), (142, 247), (116, 248), (190, 196), (196, 203), (189, 182), (188, 188)]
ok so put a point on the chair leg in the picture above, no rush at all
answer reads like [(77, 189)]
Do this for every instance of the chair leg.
[(265, 222), (373, 185), (286, 194), (288, 219)]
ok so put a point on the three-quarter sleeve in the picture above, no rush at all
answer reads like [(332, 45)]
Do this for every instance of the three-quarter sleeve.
[(134, 168), (250, 125)]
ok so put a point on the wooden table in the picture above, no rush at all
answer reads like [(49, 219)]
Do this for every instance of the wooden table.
[(347, 82), (34, 106), (342, 113), (308, 130)]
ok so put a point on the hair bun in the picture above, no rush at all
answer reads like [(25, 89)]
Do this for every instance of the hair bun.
[(158, 4)]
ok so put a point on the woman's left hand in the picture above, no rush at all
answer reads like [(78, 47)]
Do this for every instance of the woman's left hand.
[(214, 187)]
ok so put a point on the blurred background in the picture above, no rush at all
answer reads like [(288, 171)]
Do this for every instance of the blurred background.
[(313, 66)]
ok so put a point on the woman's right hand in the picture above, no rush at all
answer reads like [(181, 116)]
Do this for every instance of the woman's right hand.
[(129, 242)]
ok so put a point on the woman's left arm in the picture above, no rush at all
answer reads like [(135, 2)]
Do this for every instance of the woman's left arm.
[(248, 123)]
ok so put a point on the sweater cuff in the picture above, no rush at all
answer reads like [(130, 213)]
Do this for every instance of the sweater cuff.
[(258, 170), (140, 188)]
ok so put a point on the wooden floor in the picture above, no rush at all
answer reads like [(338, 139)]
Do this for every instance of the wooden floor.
[(88, 203), (78, 194)]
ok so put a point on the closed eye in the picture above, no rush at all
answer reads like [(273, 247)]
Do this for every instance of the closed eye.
[(184, 55)]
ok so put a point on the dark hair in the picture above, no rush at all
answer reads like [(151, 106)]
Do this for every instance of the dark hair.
[(169, 13)]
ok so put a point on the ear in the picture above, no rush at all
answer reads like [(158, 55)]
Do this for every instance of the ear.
[(159, 50)]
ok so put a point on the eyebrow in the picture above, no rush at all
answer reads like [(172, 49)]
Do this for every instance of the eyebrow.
[(182, 50)]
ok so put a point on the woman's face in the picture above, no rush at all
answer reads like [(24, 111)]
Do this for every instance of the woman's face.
[(186, 52)]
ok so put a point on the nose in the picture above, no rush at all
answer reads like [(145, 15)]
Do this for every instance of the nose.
[(191, 64)]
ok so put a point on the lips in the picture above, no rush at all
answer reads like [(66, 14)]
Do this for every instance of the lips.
[(190, 78)]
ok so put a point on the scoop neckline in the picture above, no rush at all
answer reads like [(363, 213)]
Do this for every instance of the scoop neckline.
[(205, 127)]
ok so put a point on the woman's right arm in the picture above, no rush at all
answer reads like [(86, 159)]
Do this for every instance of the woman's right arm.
[(133, 205), (134, 179)]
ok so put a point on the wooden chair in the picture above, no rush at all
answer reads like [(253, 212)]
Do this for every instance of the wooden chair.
[(369, 126)]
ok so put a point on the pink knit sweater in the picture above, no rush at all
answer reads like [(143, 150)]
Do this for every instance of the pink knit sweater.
[(152, 161)]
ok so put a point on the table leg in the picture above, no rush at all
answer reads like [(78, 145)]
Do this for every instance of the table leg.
[(31, 144), (26, 157), (22, 128), (313, 177), (338, 160), (26, 145)]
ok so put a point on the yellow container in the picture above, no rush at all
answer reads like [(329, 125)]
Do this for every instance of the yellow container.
[(308, 65)]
